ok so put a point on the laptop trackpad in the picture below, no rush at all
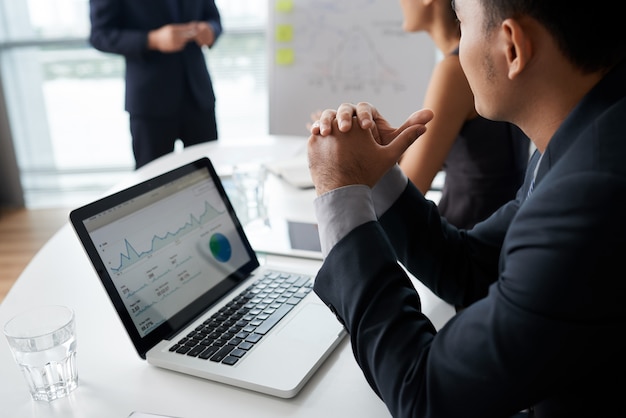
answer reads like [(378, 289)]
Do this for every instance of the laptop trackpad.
[(314, 323)]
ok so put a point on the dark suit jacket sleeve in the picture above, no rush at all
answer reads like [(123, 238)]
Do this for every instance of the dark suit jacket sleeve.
[(525, 340), (115, 32), (213, 18), (457, 266)]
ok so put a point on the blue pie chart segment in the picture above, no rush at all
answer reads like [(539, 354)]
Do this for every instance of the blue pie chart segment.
[(220, 247)]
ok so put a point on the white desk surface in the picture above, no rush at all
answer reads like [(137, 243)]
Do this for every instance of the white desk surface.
[(114, 381)]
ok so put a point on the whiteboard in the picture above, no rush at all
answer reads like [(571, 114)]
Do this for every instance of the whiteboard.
[(327, 52)]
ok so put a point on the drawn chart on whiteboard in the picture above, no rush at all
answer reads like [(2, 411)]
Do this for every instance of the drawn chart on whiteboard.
[(325, 52)]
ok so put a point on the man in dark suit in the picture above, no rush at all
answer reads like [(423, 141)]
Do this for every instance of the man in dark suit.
[(542, 278), (169, 93)]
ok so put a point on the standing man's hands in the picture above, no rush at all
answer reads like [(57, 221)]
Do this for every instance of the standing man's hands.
[(204, 34), (173, 37), (356, 145)]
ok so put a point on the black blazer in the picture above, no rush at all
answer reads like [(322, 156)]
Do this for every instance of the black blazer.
[(542, 277), (154, 80)]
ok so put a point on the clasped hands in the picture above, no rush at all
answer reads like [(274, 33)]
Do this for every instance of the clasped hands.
[(174, 37), (356, 145)]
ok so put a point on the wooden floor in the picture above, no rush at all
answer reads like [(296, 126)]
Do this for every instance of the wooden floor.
[(22, 233)]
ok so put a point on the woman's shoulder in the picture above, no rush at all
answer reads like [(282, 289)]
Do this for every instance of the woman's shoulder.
[(448, 85)]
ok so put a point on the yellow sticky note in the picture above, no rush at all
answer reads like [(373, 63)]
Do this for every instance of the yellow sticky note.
[(284, 6), (285, 56), (284, 33)]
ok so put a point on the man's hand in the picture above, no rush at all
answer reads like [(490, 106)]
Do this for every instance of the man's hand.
[(172, 38), (204, 34), (367, 117), (358, 149)]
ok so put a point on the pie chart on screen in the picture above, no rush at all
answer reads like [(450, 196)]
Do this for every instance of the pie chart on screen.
[(220, 247)]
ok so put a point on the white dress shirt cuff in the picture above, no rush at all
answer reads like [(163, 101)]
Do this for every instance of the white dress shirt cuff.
[(341, 210)]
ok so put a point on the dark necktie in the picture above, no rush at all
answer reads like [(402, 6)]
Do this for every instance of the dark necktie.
[(530, 189), (532, 184)]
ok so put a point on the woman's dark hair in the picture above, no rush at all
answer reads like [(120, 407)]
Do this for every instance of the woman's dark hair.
[(590, 34)]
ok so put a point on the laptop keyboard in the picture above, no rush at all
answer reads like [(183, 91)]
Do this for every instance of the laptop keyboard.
[(233, 331)]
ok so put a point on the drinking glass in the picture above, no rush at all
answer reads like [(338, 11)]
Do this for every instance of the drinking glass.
[(43, 343)]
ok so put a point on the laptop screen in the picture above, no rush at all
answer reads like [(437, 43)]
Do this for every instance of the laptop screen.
[(166, 249)]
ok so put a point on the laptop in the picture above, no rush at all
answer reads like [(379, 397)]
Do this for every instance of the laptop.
[(286, 237), (191, 292)]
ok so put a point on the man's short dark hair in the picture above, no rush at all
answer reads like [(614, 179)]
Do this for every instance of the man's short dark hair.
[(590, 34)]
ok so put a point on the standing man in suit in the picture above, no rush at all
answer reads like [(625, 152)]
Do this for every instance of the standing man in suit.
[(169, 93), (542, 278)]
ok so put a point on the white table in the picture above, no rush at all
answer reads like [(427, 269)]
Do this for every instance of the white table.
[(114, 381)]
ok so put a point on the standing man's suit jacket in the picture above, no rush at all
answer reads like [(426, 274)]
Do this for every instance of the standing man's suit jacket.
[(154, 80), (543, 277)]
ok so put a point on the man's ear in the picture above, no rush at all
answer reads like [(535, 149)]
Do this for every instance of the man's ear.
[(518, 46)]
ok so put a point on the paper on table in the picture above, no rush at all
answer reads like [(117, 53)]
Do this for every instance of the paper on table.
[(293, 170)]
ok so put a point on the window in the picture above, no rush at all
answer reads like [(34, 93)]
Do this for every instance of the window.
[(66, 100)]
